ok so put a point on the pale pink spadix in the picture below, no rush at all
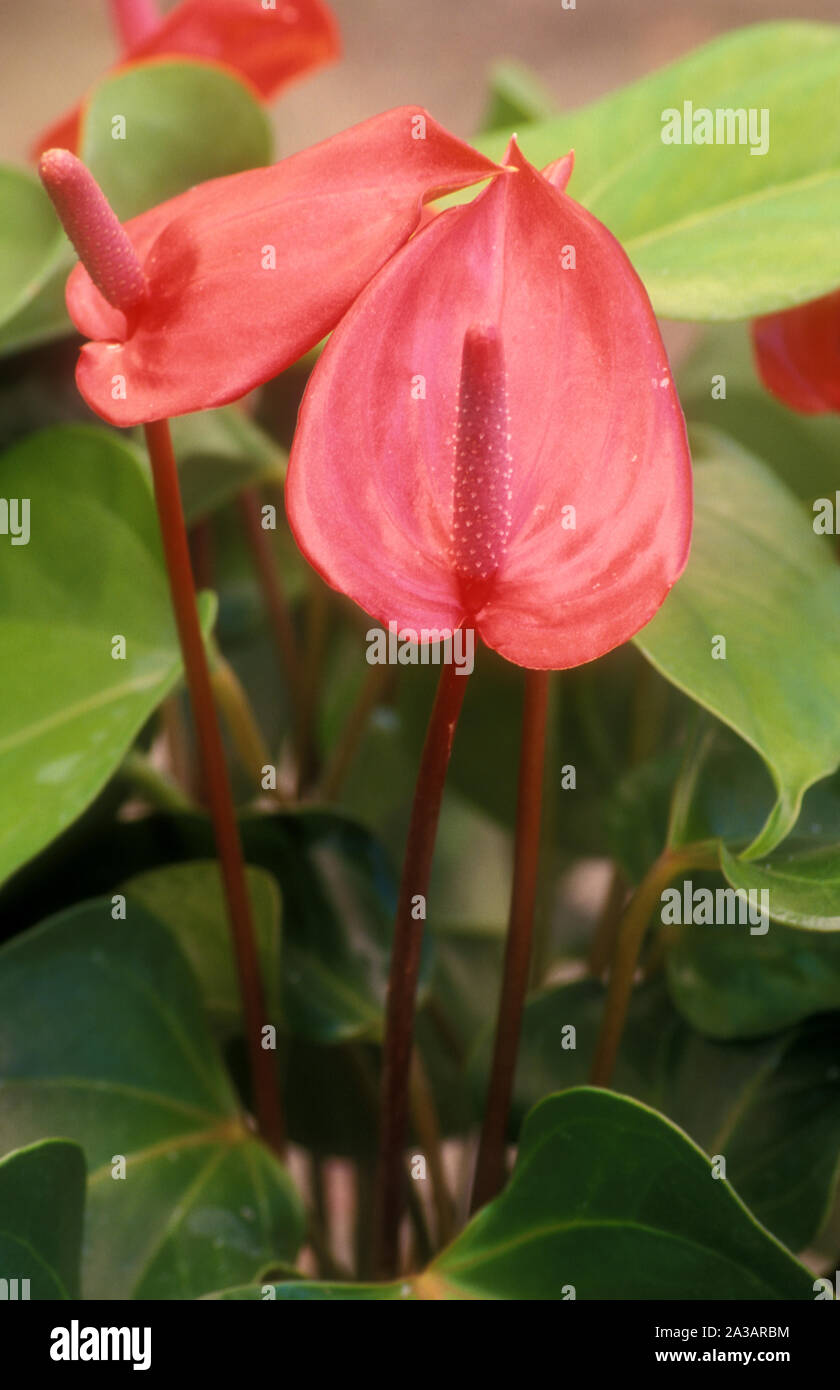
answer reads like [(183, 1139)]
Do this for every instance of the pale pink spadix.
[(482, 465), (101, 241)]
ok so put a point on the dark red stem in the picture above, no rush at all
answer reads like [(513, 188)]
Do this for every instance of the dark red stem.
[(182, 589), (405, 968), (490, 1170)]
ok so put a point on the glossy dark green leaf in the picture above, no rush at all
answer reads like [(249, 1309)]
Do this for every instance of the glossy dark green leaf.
[(759, 577), (729, 984), (42, 1199), (338, 908), (770, 1107), (189, 899), (92, 570), (714, 231), (104, 1039), (608, 1200), (184, 122), (338, 894)]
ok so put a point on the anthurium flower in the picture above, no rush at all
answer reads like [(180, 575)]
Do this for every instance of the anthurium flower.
[(798, 354), (244, 274), (268, 45), (492, 434)]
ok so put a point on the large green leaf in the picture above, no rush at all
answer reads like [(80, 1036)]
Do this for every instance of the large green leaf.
[(608, 1200), (714, 231), (42, 1199), (92, 570), (185, 122), (103, 1038), (189, 899), (729, 984), (759, 577), (770, 1107), (338, 892)]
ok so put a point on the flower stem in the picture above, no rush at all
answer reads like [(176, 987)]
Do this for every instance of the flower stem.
[(182, 588), (146, 781), (631, 934), (375, 686), (405, 966), (427, 1128), (490, 1169), (251, 748)]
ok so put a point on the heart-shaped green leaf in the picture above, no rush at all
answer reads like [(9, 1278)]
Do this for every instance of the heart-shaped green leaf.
[(152, 130), (715, 230), (759, 578), (90, 571), (338, 893), (608, 1200), (42, 1199), (770, 1107), (189, 900), (104, 1039)]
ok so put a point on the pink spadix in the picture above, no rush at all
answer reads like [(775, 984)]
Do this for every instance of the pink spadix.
[(102, 243), (482, 466)]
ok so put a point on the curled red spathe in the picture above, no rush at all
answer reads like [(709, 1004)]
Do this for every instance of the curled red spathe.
[(248, 272)]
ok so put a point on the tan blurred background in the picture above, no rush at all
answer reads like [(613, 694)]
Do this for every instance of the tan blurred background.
[(431, 52)]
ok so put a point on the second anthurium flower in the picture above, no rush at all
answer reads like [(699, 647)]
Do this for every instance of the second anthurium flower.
[(493, 437), (797, 352)]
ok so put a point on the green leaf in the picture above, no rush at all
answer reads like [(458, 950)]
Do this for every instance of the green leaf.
[(610, 1200), (92, 570), (104, 1039), (44, 316), (338, 909), (770, 1107), (338, 893), (219, 453), (802, 449), (714, 231), (516, 95), (185, 122), (729, 984), (804, 889), (42, 1199), (30, 240), (189, 900), (759, 577)]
